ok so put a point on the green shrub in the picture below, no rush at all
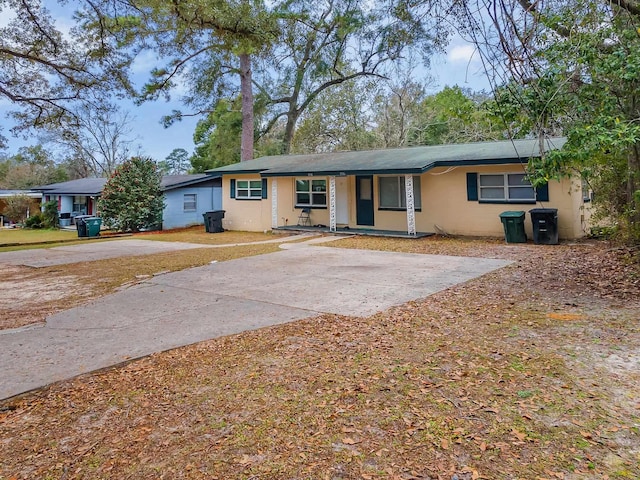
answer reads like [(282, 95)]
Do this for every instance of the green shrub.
[(34, 221), (132, 198), (50, 214)]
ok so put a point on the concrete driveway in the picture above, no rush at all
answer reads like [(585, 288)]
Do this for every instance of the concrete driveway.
[(181, 308), (99, 250)]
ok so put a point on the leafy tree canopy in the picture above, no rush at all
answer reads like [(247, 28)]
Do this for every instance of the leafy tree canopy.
[(176, 163), (573, 67), (45, 70), (30, 167)]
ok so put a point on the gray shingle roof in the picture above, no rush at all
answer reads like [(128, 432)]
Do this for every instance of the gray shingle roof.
[(399, 160), (170, 182), (94, 186), (81, 186)]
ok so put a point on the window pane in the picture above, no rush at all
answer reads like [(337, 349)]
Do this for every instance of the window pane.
[(366, 192), (256, 184), (319, 199), (302, 185), (189, 202), (521, 193), (256, 194), (303, 199), (491, 180), (319, 185), (492, 193), (242, 184), (389, 192), (242, 193), (417, 201), (516, 179)]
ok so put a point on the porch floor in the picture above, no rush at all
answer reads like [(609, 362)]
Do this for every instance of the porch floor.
[(353, 231)]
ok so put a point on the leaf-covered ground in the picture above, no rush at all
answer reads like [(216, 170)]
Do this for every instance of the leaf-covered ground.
[(530, 372)]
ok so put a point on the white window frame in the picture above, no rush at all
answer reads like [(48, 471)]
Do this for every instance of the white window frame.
[(506, 187), (402, 194), (193, 201), (80, 204), (249, 192), (310, 192)]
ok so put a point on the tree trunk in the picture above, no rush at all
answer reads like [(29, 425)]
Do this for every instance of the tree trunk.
[(246, 91), (633, 186), (289, 130)]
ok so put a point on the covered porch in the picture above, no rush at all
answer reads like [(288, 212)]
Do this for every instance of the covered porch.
[(331, 194)]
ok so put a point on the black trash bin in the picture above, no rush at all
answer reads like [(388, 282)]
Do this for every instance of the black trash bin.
[(545, 225), (213, 221), (513, 223), (81, 225)]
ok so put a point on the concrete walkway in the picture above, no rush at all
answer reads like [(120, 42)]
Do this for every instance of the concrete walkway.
[(181, 308)]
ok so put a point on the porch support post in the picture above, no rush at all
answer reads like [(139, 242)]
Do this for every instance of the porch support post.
[(332, 204), (274, 202), (411, 206)]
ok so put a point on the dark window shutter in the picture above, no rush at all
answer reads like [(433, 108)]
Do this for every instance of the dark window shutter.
[(542, 193), (232, 187), (472, 186), (264, 188)]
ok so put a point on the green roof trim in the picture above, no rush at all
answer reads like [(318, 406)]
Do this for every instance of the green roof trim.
[(412, 160)]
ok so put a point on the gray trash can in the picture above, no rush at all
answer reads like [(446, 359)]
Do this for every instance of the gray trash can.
[(64, 219)]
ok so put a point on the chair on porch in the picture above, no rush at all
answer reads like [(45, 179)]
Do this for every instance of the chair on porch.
[(304, 219)]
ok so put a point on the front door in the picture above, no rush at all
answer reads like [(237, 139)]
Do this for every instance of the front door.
[(342, 201), (364, 200)]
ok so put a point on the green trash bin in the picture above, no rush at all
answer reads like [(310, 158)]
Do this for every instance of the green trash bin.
[(513, 223), (93, 226)]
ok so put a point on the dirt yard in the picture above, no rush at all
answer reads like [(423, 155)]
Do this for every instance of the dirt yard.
[(530, 372)]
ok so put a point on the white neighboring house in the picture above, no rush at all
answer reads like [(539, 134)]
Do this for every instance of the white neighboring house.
[(187, 198)]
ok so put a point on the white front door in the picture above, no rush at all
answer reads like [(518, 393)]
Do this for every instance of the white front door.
[(342, 201)]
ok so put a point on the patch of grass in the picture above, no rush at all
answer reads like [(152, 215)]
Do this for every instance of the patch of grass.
[(525, 393), (27, 236)]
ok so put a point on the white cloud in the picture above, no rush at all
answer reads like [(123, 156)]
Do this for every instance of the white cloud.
[(461, 54), (144, 63)]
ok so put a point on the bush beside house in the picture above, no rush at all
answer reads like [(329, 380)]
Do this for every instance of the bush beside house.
[(132, 198)]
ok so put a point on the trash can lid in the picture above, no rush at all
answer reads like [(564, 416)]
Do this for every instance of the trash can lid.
[(512, 214), (543, 210)]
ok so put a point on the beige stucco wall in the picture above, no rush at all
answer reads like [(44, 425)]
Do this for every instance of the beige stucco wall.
[(447, 206), (244, 215), (444, 206)]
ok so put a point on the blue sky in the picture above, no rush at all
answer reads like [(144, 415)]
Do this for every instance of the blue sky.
[(459, 66)]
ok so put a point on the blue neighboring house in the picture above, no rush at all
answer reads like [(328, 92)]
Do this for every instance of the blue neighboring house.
[(186, 198)]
